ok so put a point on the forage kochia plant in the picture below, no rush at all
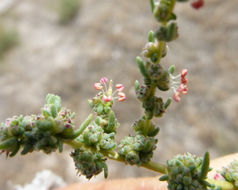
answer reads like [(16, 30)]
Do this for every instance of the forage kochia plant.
[(93, 142)]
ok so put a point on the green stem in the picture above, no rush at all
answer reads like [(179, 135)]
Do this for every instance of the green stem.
[(154, 166), (146, 128), (162, 45), (225, 185), (113, 155)]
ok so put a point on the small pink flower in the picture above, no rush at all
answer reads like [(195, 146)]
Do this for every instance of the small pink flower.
[(218, 176), (98, 86), (198, 4), (104, 80), (179, 87), (121, 94), (177, 97), (107, 98), (184, 72)]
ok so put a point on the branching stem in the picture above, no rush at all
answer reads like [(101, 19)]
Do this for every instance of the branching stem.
[(113, 155)]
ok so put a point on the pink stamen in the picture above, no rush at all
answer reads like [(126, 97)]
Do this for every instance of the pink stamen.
[(184, 72), (120, 87), (177, 97), (98, 86), (121, 99), (104, 80), (121, 94)]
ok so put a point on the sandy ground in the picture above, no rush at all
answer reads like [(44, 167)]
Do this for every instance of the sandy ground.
[(104, 40)]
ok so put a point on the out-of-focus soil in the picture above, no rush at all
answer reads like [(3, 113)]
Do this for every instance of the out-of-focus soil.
[(104, 40)]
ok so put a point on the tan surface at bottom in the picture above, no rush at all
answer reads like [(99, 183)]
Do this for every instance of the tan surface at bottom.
[(143, 183)]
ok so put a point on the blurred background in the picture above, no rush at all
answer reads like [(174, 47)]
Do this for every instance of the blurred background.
[(64, 46)]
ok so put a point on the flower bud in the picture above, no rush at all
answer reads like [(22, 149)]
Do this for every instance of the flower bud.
[(155, 71), (167, 33), (164, 81), (143, 92), (163, 10)]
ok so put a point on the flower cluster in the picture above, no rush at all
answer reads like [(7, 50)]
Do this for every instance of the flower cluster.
[(107, 93), (179, 87)]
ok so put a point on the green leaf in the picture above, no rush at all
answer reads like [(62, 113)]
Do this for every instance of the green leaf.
[(100, 109), (53, 111), (151, 37), (8, 143), (142, 68), (111, 122), (171, 69), (60, 143), (167, 103), (27, 148), (83, 126), (15, 151), (137, 85), (205, 166), (164, 178), (45, 125), (152, 5)]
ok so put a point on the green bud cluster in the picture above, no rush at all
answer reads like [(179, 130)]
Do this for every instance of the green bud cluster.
[(167, 33), (99, 106), (163, 11), (137, 149), (97, 137), (89, 163), (231, 173), (143, 128), (187, 172), (38, 132), (154, 106), (94, 136)]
